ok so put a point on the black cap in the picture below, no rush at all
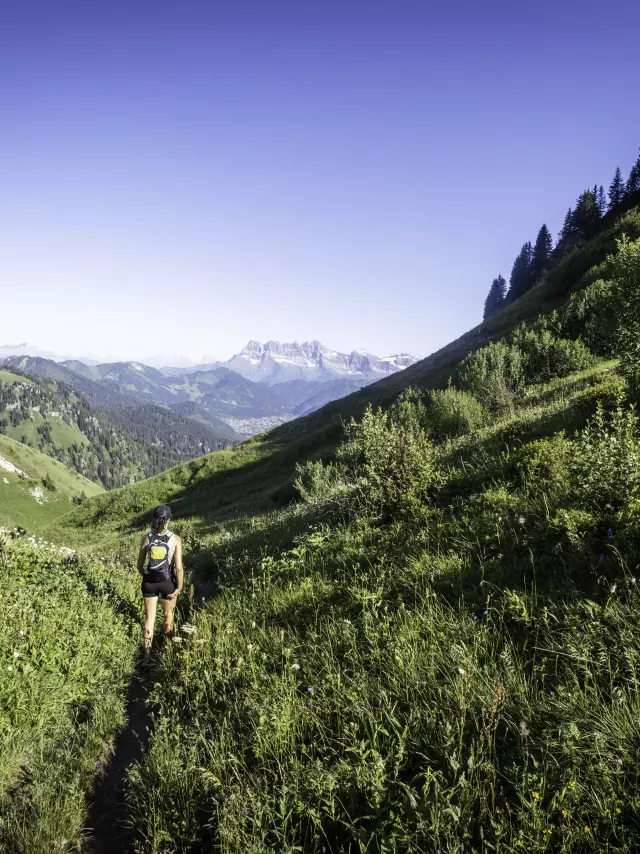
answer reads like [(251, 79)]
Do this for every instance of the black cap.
[(163, 511)]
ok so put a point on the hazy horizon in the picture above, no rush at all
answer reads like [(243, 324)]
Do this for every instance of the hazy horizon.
[(181, 179)]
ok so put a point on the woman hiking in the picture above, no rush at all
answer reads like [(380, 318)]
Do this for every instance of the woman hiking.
[(160, 564)]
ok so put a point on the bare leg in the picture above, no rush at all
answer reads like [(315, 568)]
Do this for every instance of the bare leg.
[(169, 606), (150, 603)]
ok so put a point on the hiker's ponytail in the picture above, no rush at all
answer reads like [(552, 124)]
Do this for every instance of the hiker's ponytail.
[(161, 516)]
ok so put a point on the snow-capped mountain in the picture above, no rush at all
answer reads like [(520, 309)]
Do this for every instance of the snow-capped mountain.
[(273, 363)]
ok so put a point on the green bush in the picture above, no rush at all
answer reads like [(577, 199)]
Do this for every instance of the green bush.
[(543, 466), (605, 465), (592, 315), (627, 288), (452, 413), (389, 462), (494, 374)]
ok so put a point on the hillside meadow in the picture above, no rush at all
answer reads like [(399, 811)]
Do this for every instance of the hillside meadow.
[(416, 629)]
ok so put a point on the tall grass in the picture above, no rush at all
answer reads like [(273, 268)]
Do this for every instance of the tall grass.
[(69, 636), (456, 675)]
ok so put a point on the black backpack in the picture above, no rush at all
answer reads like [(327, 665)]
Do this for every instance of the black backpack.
[(158, 567)]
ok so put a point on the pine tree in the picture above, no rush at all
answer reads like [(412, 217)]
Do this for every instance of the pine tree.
[(586, 215), (521, 275), (567, 227), (601, 200), (633, 181), (616, 190), (496, 297), (541, 252)]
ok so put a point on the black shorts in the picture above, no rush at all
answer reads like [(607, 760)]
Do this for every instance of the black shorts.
[(151, 589)]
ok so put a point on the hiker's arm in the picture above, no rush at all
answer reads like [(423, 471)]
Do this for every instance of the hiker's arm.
[(177, 562), (142, 556)]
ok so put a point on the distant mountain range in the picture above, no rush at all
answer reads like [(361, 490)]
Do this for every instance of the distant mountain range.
[(273, 363), (262, 386)]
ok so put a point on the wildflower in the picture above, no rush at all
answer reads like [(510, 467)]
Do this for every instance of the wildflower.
[(9, 667), (572, 784), (633, 580), (98, 764), (474, 617), (253, 624), (618, 810), (485, 612), (310, 692), (21, 632), (524, 729), (548, 831), (295, 667), (613, 588), (601, 559), (521, 520), (462, 672), (618, 761), (587, 829), (16, 654), (535, 796), (610, 533), (565, 813)]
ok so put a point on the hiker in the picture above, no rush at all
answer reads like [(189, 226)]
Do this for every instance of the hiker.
[(160, 564)]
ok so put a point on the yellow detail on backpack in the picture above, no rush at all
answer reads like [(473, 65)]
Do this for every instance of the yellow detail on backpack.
[(158, 552)]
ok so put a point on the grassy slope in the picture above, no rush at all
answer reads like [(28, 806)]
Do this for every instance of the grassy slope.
[(67, 648), (467, 682), (18, 506), (257, 476)]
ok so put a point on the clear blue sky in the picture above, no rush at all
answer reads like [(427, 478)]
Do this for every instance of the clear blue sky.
[(179, 177)]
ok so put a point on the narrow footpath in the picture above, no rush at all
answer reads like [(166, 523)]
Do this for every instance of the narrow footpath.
[(107, 827)]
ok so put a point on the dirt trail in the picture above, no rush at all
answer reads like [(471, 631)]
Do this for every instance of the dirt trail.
[(106, 827)]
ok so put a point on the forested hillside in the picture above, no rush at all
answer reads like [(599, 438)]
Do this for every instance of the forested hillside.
[(108, 447)]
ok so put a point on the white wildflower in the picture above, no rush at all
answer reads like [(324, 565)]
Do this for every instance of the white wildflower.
[(613, 588), (16, 654), (295, 667), (462, 671)]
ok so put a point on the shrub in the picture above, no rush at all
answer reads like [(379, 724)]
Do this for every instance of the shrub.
[(605, 465), (543, 466), (318, 483), (494, 374), (591, 314), (389, 461), (627, 289), (545, 355), (452, 413)]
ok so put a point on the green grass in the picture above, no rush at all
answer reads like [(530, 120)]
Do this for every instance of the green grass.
[(11, 378), (67, 650), (435, 649), (18, 506)]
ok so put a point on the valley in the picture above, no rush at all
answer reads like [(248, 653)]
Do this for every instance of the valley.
[(410, 620)]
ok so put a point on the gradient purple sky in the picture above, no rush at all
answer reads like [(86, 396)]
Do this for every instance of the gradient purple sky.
[(179, 177)]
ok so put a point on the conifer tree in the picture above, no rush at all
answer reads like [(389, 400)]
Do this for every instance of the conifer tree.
[(567, 226), (541, 252), (633, 181), (616, 190), (586, 215), (521, 275), (496, 297), (601, 200)]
